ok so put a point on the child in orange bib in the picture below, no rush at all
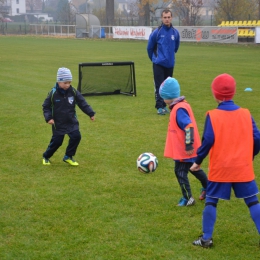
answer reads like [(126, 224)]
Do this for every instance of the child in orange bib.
[(182, 140), (232, 140)]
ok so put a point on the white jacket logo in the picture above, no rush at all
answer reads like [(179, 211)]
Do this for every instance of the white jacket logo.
[(70, 99), (172, 37)]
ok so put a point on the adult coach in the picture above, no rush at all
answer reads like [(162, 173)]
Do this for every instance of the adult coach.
[(162, 45)]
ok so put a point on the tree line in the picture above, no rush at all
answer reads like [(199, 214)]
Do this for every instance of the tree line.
[(145, 12)]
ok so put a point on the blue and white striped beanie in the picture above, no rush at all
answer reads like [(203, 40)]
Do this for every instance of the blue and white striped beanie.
[(63, 75)]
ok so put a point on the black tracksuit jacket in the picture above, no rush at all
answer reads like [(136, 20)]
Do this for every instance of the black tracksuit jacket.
[(60, 105)]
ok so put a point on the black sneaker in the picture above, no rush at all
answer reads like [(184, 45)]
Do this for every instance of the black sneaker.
[(203, 243), (190, 202), (202, 194)]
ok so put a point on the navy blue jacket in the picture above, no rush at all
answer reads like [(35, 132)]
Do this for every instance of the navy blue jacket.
[(162, 45), (60, 105)]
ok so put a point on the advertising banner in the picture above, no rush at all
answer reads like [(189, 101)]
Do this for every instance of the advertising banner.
[(208, 34), (257, 35), (128, 32)]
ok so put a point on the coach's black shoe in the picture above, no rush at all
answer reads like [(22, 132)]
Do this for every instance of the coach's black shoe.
[(203, 243)]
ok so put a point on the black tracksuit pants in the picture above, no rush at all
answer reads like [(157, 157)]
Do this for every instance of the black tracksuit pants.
[(57, 140), (181, 170), (160, 74)]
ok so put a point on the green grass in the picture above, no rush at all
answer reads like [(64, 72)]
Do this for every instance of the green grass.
[(105, 209)]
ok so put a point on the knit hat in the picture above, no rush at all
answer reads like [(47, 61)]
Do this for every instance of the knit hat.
[(170, 88), (64, 74), (223, 87)]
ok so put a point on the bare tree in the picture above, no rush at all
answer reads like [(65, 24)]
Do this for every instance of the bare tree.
[(188, 11), (64, 12), (101, 14), (34, 5), (110, 15), (3, 8), (148, 8), (231, 10), (144, 12), (259, 9)]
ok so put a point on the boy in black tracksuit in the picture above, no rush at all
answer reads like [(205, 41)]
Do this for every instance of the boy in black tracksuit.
[(59, 111)]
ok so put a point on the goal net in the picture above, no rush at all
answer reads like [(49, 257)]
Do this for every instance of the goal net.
[(107, 78)]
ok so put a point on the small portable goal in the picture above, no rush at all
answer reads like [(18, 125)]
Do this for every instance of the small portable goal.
[(107, 78)]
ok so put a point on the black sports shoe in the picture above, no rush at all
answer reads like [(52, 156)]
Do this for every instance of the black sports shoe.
[(203, 243)]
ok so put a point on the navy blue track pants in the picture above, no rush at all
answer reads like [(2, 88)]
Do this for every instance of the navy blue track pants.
[(57, 140), (160, 74), (181, 170)]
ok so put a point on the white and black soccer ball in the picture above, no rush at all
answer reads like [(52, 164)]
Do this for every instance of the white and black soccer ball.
[(147, 162)]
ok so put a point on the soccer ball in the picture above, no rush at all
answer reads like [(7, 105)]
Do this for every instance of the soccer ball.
[(147, 162)]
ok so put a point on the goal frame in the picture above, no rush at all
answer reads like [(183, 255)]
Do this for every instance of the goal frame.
[(96, 64)]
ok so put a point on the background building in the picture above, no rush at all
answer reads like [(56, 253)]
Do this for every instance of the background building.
[(13, 7)]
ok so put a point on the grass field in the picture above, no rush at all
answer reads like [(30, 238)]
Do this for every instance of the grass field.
[(105, 209)]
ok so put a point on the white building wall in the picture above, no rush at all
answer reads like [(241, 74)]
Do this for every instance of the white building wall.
[(17, 7)]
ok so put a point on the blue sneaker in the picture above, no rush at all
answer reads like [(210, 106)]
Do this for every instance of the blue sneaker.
[(182, 202), (166, 110), (185, 202), (160, 111)]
